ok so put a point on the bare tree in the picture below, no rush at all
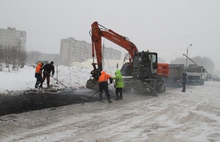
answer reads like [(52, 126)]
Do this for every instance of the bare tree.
[(201, 61), (22, 58), (12, 55)]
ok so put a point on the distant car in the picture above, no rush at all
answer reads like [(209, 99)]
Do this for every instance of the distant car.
[(32, 65), (1, 67)]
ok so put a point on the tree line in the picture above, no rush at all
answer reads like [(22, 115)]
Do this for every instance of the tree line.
[(200, 61), (13, 55)]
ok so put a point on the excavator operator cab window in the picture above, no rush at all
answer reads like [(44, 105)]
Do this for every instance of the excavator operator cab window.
[(144, 64), (153, 58), (145, 59)]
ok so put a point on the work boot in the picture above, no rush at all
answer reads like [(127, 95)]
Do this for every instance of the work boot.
[(109, 99), (117, 97), (121, 97)]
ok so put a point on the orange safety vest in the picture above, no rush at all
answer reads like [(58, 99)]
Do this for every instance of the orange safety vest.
[(104, 77), (38, 68)]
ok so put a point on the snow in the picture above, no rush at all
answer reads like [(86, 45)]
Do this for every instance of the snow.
[(72, 77), (193, 116)]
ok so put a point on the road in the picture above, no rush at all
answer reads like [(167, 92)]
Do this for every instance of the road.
[(193, 116)]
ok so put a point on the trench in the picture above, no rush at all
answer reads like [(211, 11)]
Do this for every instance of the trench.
[(24, 102)]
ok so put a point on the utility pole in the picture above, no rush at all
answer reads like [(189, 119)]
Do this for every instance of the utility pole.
[(187, 54)]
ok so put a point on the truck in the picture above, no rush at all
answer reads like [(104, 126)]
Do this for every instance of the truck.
[(195, 74), (140, 72), (174, 78)]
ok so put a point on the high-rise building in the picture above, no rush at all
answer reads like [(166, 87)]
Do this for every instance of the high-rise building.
[(72, 50), (13, 38)]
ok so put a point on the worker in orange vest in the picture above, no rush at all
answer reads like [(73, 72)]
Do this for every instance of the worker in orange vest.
[(38, 74), (103, 85)]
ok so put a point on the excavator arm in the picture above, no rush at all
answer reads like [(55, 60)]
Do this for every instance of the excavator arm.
[(97, 32)]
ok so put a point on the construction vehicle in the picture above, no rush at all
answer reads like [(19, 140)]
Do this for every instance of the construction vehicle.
[(140, 72), (163, 69), (174, 78), (195, 74)]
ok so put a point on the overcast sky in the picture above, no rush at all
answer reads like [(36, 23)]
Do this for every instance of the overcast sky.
[(167, 27)]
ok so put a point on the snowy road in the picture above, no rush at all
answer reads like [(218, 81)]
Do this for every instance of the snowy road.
[(193, 116)]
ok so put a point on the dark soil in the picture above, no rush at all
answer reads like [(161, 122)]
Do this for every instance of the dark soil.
[(28, 101)]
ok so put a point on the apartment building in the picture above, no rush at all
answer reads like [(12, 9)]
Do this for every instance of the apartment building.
[(72, 50), (11, 37)]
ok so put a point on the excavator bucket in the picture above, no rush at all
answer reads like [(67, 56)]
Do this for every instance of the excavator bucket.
[(92, 84)]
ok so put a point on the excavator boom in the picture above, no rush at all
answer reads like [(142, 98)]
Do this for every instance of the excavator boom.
[(99, 31)]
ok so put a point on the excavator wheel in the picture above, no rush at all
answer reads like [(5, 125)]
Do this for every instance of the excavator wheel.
[(161, 87), (144, 88)]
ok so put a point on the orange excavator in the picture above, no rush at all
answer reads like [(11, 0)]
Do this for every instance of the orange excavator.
[(140, 72)]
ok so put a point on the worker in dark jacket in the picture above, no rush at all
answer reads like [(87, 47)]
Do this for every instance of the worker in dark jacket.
[(119, 84), (48, 69), (184, 80), (103, 85), (38, 74)]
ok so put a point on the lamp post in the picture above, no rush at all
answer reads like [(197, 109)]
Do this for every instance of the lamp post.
[(187, 53)]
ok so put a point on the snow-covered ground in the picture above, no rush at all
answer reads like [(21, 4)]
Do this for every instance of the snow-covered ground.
[(193, 116), (72, 77)]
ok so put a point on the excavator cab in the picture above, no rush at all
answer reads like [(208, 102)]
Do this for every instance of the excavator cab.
[(144, 65), (142, 75)]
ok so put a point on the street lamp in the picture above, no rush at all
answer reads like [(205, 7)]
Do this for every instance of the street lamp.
[(187, 53)]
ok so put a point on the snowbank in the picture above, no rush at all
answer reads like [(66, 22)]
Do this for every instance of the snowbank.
[(72, 77)]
